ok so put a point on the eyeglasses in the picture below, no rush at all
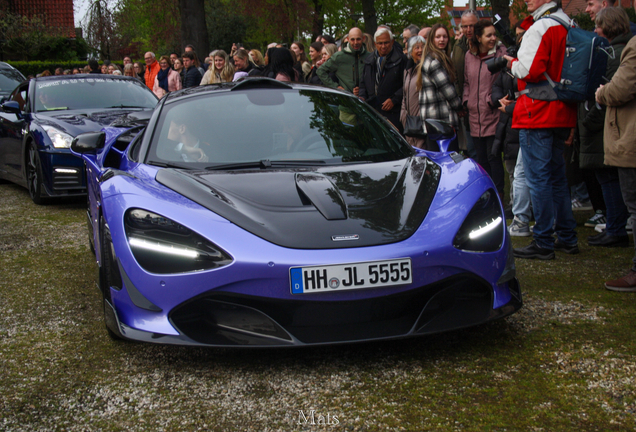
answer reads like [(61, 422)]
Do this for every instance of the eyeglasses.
[(468, 26)]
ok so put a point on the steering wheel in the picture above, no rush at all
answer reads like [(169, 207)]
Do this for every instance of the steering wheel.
[(304, 144)]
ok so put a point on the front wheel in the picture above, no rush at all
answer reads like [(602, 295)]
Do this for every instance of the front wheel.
[(109, 276), (34, 175)]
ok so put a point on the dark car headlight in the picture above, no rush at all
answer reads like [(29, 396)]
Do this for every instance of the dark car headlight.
[(161, 245), (483, 229)]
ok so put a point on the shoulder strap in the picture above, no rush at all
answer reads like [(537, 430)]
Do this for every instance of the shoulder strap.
[(557, 19)]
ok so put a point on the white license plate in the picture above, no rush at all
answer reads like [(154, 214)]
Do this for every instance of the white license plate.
[(317, 279)]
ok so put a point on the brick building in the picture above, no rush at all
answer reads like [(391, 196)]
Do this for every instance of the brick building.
[(57, 14)]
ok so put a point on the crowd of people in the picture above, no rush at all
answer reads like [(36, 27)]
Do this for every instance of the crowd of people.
[(546, 146)]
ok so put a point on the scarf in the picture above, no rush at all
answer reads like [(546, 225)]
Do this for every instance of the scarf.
[(162, 77)]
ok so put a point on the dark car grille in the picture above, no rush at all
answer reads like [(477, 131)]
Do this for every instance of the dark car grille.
[(67, 180), (219, 318)]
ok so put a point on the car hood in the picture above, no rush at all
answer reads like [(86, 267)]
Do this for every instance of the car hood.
[(318, 208), (75, 122)]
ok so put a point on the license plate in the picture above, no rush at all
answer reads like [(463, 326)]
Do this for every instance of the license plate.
[(317, 279)]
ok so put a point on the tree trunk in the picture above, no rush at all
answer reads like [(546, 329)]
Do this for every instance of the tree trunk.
[(370, 18), (193, 29), (318, 20)]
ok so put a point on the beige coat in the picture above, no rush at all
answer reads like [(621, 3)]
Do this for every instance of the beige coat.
[(619, 95)]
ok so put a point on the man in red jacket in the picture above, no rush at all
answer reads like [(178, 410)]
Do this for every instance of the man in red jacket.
[(544, 128), (152, 69)]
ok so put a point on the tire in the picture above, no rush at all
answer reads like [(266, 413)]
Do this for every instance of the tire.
[(108, 276), (34, 175)]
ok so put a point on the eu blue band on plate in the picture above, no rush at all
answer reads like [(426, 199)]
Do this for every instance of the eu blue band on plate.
[(296, 275)]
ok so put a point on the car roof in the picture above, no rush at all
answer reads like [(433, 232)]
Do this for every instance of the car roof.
[(245, 84)]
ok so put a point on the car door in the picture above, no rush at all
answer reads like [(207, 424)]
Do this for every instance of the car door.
[(12, 130)]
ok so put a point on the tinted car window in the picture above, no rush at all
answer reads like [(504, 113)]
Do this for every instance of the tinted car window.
[(9, 80), (90, 93), (273, 124)]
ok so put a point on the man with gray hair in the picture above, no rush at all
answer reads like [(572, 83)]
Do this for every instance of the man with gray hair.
[(408, 33), (152, 69), (383, 77)]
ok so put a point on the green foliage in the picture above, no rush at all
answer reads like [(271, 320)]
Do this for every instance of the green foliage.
[(395, 14), (225, 26), (27, 38), (147, 25)]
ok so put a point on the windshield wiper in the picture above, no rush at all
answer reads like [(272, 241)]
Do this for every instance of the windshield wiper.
[(266, 163), (125, 106), (167, 165), (54, 109)]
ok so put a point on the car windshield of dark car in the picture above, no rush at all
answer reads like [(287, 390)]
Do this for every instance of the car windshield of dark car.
[(9, 80), (272, 126), (92, 93)]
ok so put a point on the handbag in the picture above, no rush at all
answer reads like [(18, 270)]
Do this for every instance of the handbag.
[(413, 126)]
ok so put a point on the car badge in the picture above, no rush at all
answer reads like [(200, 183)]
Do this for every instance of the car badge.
[(346, 237)]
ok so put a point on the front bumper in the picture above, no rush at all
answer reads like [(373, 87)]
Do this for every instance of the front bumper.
[(229, 319)]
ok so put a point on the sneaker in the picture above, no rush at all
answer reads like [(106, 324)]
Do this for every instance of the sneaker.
[(518, 228), (598, 218), (581, 205), (568, 249), (600, 227), (532, 251), (624, 284), (606, 240)]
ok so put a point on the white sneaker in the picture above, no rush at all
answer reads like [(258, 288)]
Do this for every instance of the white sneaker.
[(599, 227), (581, 205), (518, 228)]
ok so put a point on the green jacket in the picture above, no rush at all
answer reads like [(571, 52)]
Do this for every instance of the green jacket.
[(342, 64), (458, 56)]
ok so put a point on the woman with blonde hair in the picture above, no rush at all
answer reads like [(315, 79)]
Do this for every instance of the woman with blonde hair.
[(257, 58), (436, 80), (128, 70), (220, 70)]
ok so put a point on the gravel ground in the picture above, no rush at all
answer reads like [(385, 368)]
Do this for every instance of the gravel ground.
[(61, 372)]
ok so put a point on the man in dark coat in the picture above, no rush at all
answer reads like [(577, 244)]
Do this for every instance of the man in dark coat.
[(191, 77), (383, 77)]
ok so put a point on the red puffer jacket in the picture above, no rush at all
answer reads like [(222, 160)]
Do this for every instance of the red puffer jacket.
[(542, 50)]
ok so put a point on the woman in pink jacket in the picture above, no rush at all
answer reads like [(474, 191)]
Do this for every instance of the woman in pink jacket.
[(167, 79), (483, 116)]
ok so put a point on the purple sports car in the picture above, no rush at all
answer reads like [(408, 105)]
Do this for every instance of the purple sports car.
[(262, 213)]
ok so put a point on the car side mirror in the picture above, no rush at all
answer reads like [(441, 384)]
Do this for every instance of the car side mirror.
[(88, 142), (12, 107)]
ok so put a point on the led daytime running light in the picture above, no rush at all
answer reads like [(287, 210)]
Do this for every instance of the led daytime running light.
[(483, 230), (157, 247)]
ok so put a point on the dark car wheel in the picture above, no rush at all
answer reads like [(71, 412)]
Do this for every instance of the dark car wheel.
[(108, 277), (34, 175)]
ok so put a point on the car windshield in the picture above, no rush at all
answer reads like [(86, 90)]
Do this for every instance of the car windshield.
[(91, 93), (250, 128), (9, 80)]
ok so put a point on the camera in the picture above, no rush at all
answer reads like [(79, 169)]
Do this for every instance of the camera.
[(499, 63)]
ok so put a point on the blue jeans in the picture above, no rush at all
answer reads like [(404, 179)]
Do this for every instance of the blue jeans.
[(520, 193), (542, 151)]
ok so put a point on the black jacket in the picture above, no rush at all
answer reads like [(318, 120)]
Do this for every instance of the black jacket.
[(506, 138), (390, 83), (192, 77)]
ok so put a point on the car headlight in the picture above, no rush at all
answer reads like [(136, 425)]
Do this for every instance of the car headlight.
[(161, 245), (58, 138), (483, 229)]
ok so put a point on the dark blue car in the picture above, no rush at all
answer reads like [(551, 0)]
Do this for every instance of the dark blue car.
[(42, 116), (260, 213)]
